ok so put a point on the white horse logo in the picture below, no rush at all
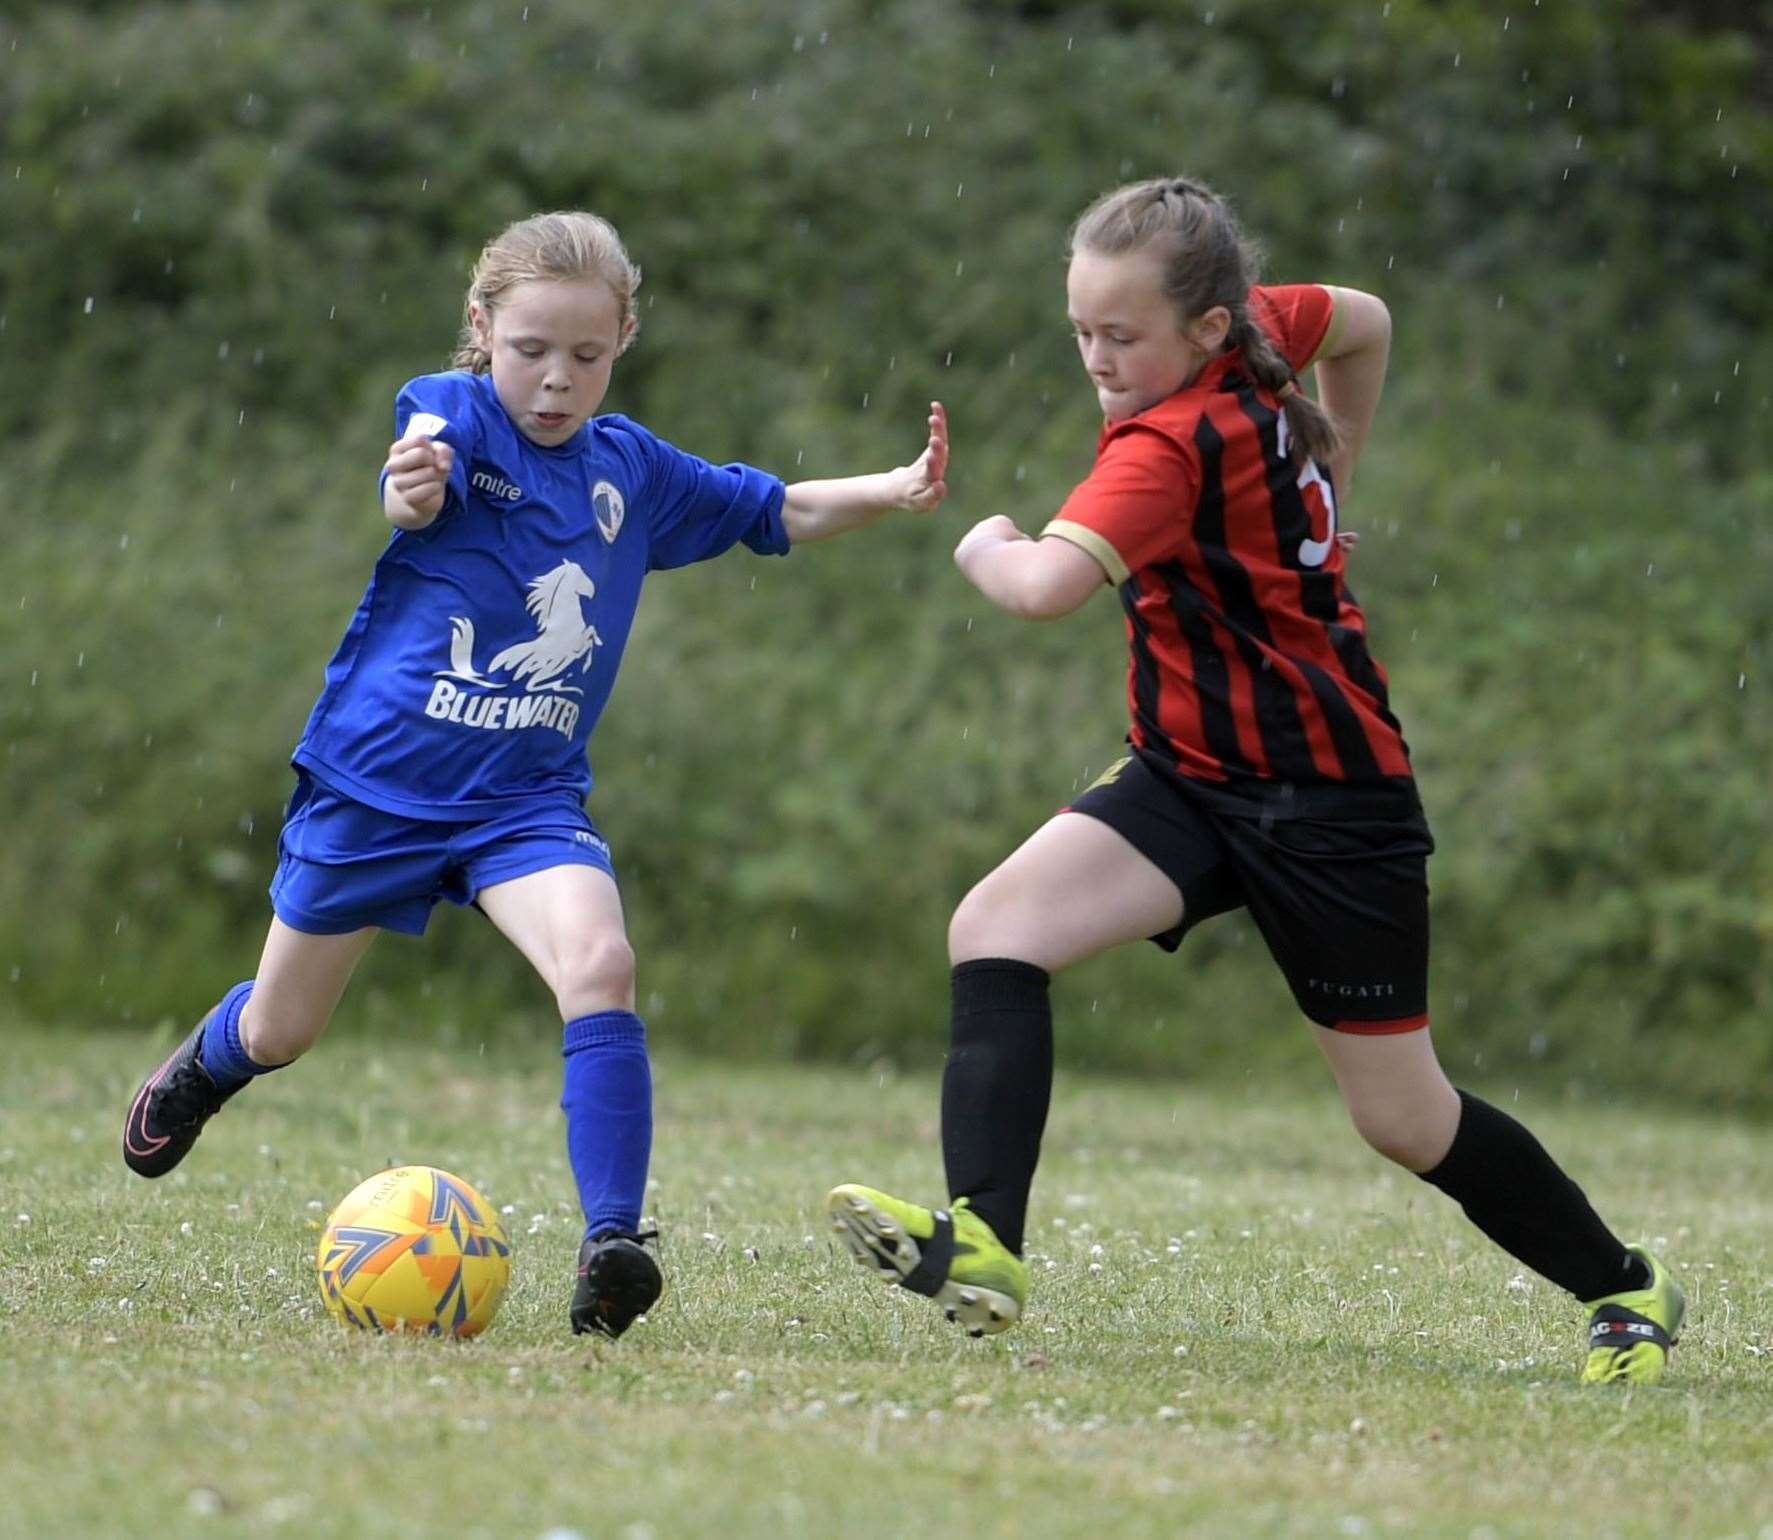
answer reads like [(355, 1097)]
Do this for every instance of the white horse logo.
[(562, 639)]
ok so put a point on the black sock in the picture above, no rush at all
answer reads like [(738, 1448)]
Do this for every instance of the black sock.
[(995, 1089), (1518, 1196)]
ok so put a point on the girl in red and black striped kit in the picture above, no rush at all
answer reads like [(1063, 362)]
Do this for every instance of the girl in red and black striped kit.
[(1267, 771)]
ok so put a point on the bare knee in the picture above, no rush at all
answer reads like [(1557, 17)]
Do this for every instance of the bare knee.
[(1416, 1137), (595, 974), (984, 924), (273, 1031)]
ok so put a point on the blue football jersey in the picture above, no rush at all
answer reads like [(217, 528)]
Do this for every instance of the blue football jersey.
[(486, 644)]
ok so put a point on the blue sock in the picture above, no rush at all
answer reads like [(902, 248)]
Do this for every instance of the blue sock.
[(608, 1102), (228, 1064)]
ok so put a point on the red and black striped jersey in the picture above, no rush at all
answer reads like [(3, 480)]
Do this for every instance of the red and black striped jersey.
[(1249, 654)]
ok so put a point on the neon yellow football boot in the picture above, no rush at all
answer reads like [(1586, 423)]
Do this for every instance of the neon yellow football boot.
[(949, 1255), (1630, 1333)]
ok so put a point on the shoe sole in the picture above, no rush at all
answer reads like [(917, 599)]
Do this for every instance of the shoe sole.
[(623, 1286), (879, 1242)]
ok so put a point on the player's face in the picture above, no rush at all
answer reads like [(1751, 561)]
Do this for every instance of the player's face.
[(1134, 346), (553, 343)]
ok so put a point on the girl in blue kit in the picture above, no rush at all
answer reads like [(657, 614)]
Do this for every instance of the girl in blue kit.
[(446, 756)]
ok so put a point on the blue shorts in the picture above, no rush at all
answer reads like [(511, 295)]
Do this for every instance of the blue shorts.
[(342, 865)]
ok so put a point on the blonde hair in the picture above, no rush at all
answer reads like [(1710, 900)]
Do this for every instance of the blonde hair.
[(1207, 261), (560, 246)]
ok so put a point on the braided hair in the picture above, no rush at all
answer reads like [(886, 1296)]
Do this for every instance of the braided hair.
[(1207, 261)]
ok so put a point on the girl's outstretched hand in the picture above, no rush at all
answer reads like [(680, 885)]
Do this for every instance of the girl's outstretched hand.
[(927, 484)]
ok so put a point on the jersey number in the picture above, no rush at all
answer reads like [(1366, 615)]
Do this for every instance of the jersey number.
[(1319, 500)]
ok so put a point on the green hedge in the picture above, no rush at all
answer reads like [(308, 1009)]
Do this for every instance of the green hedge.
[(233, 230)]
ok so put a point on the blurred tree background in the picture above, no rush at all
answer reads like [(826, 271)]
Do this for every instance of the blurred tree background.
[(232, 230)]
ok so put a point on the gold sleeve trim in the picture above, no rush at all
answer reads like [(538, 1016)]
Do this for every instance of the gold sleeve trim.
[(1087, 539)]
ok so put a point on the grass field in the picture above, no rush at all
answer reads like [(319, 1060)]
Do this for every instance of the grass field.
[(1244, 1324)]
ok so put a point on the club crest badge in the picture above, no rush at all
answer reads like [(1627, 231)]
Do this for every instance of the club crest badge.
[(607, 506)]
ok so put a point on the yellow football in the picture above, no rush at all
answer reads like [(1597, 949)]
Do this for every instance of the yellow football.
[(414, 1249)]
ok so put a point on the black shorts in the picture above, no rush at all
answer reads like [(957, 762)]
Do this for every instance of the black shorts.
[(1334, 875)]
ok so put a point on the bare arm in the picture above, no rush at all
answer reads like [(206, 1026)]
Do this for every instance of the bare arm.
[(1035, 579), (1351, 374), (816, 510)]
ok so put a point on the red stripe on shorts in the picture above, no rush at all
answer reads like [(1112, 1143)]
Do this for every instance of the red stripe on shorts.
[(1380, 1028)]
